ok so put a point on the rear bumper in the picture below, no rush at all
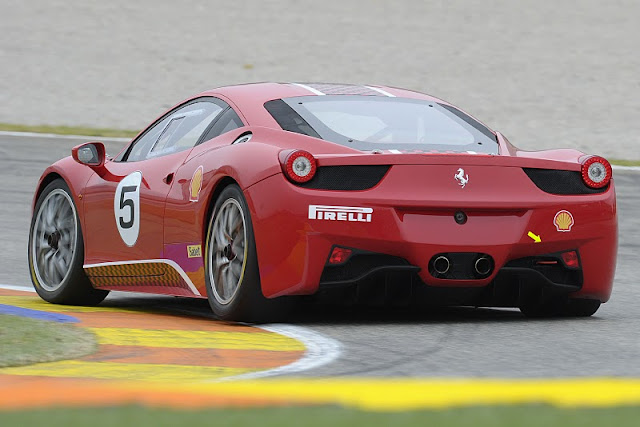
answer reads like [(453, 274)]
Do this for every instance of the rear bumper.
[(414, 226), (512, 287)]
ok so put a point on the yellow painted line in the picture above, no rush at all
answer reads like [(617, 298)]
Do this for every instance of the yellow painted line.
[(197, 339), (413, 394), (124, 371), (38, 304)]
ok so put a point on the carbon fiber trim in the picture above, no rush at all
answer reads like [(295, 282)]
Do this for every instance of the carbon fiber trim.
[(557, 273), (561, 182), (363, 264), (342, 89)]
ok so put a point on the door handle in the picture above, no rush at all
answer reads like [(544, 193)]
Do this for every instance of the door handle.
[(167, 179)]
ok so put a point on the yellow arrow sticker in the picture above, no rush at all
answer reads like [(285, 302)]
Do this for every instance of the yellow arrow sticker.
[(535, 237)]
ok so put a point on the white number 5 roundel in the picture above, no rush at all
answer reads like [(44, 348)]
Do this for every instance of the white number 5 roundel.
[(126, 206)]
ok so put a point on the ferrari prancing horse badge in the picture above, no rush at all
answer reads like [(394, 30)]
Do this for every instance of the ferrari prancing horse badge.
[(461, 178)]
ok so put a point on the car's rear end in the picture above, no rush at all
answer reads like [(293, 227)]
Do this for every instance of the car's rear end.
[(438, 208)]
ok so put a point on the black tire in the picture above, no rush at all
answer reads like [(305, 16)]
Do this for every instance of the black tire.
[(567, 307), (245, 302), (65, 248), (581, 307)]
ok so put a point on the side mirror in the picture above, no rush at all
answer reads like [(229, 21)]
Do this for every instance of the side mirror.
[(91, 154)]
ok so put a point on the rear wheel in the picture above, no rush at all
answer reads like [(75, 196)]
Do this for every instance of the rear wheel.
[(56, 250), (571, 307), (231, 263)]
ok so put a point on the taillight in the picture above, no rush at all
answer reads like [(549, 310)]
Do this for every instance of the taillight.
[(596, 172), (300, 166)]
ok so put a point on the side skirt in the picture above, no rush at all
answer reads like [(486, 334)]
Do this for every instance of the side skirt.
[(158, 276)]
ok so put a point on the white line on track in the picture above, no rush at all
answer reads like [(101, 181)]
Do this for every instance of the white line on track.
[(57, 136), (17, 288), (320, 349)]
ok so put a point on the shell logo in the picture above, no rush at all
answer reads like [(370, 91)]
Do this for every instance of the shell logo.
[(564, 221), (196, 185)]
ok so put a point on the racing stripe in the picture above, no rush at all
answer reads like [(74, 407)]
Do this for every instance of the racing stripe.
[(382, 91), (310, 89)]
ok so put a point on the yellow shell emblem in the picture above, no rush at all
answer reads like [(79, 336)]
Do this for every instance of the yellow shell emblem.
[(563, 221), (196, 185)]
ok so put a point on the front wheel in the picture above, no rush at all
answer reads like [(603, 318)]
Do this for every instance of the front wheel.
[(56, 250), (231, 263)]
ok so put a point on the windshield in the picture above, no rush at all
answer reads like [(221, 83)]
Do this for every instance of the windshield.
[(372, 122)]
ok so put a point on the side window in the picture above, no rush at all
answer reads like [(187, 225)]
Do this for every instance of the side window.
[(178, 131), (142, 146), (229, 120)]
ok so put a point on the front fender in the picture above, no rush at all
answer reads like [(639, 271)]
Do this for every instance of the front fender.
[(74, 174)]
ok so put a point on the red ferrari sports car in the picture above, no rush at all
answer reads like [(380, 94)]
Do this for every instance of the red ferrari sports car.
[(249, 193)]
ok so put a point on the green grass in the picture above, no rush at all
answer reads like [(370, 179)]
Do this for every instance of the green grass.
[(25, 341), (534, 415), (69, 130), (624, 162)]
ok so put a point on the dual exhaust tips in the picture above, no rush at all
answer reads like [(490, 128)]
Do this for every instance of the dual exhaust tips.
[(480, 265)]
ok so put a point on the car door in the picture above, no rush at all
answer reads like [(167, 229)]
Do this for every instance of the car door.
[(124, 207), (187, 202)]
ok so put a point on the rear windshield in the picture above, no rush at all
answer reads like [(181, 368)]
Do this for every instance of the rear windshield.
[(384, 123)]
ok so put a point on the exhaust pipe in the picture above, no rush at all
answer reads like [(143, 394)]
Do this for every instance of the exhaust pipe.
[(483, 266), (441, 265)]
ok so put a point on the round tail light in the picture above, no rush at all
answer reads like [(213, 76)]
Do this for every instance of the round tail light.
[(300, 166), (596, 172)]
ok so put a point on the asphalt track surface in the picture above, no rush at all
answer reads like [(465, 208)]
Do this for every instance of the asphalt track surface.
[(450, 343), (546, 73)]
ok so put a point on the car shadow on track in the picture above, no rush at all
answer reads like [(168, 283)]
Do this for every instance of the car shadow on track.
[(309, 313)]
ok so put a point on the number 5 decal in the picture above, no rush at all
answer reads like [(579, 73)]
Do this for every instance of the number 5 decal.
[(126, 205)]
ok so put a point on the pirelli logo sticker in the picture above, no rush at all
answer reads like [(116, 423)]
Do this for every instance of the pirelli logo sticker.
[(340, 213), (194, 251)]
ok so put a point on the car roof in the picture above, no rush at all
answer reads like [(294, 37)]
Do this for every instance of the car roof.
[(250, 98), (273, 90)]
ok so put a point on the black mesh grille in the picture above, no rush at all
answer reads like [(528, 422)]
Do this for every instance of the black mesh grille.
[(556, 273), (561, 182), (358, 266), (361, 177), (342, 89)]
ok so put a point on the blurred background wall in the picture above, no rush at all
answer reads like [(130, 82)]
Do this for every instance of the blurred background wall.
[(546, 73)]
